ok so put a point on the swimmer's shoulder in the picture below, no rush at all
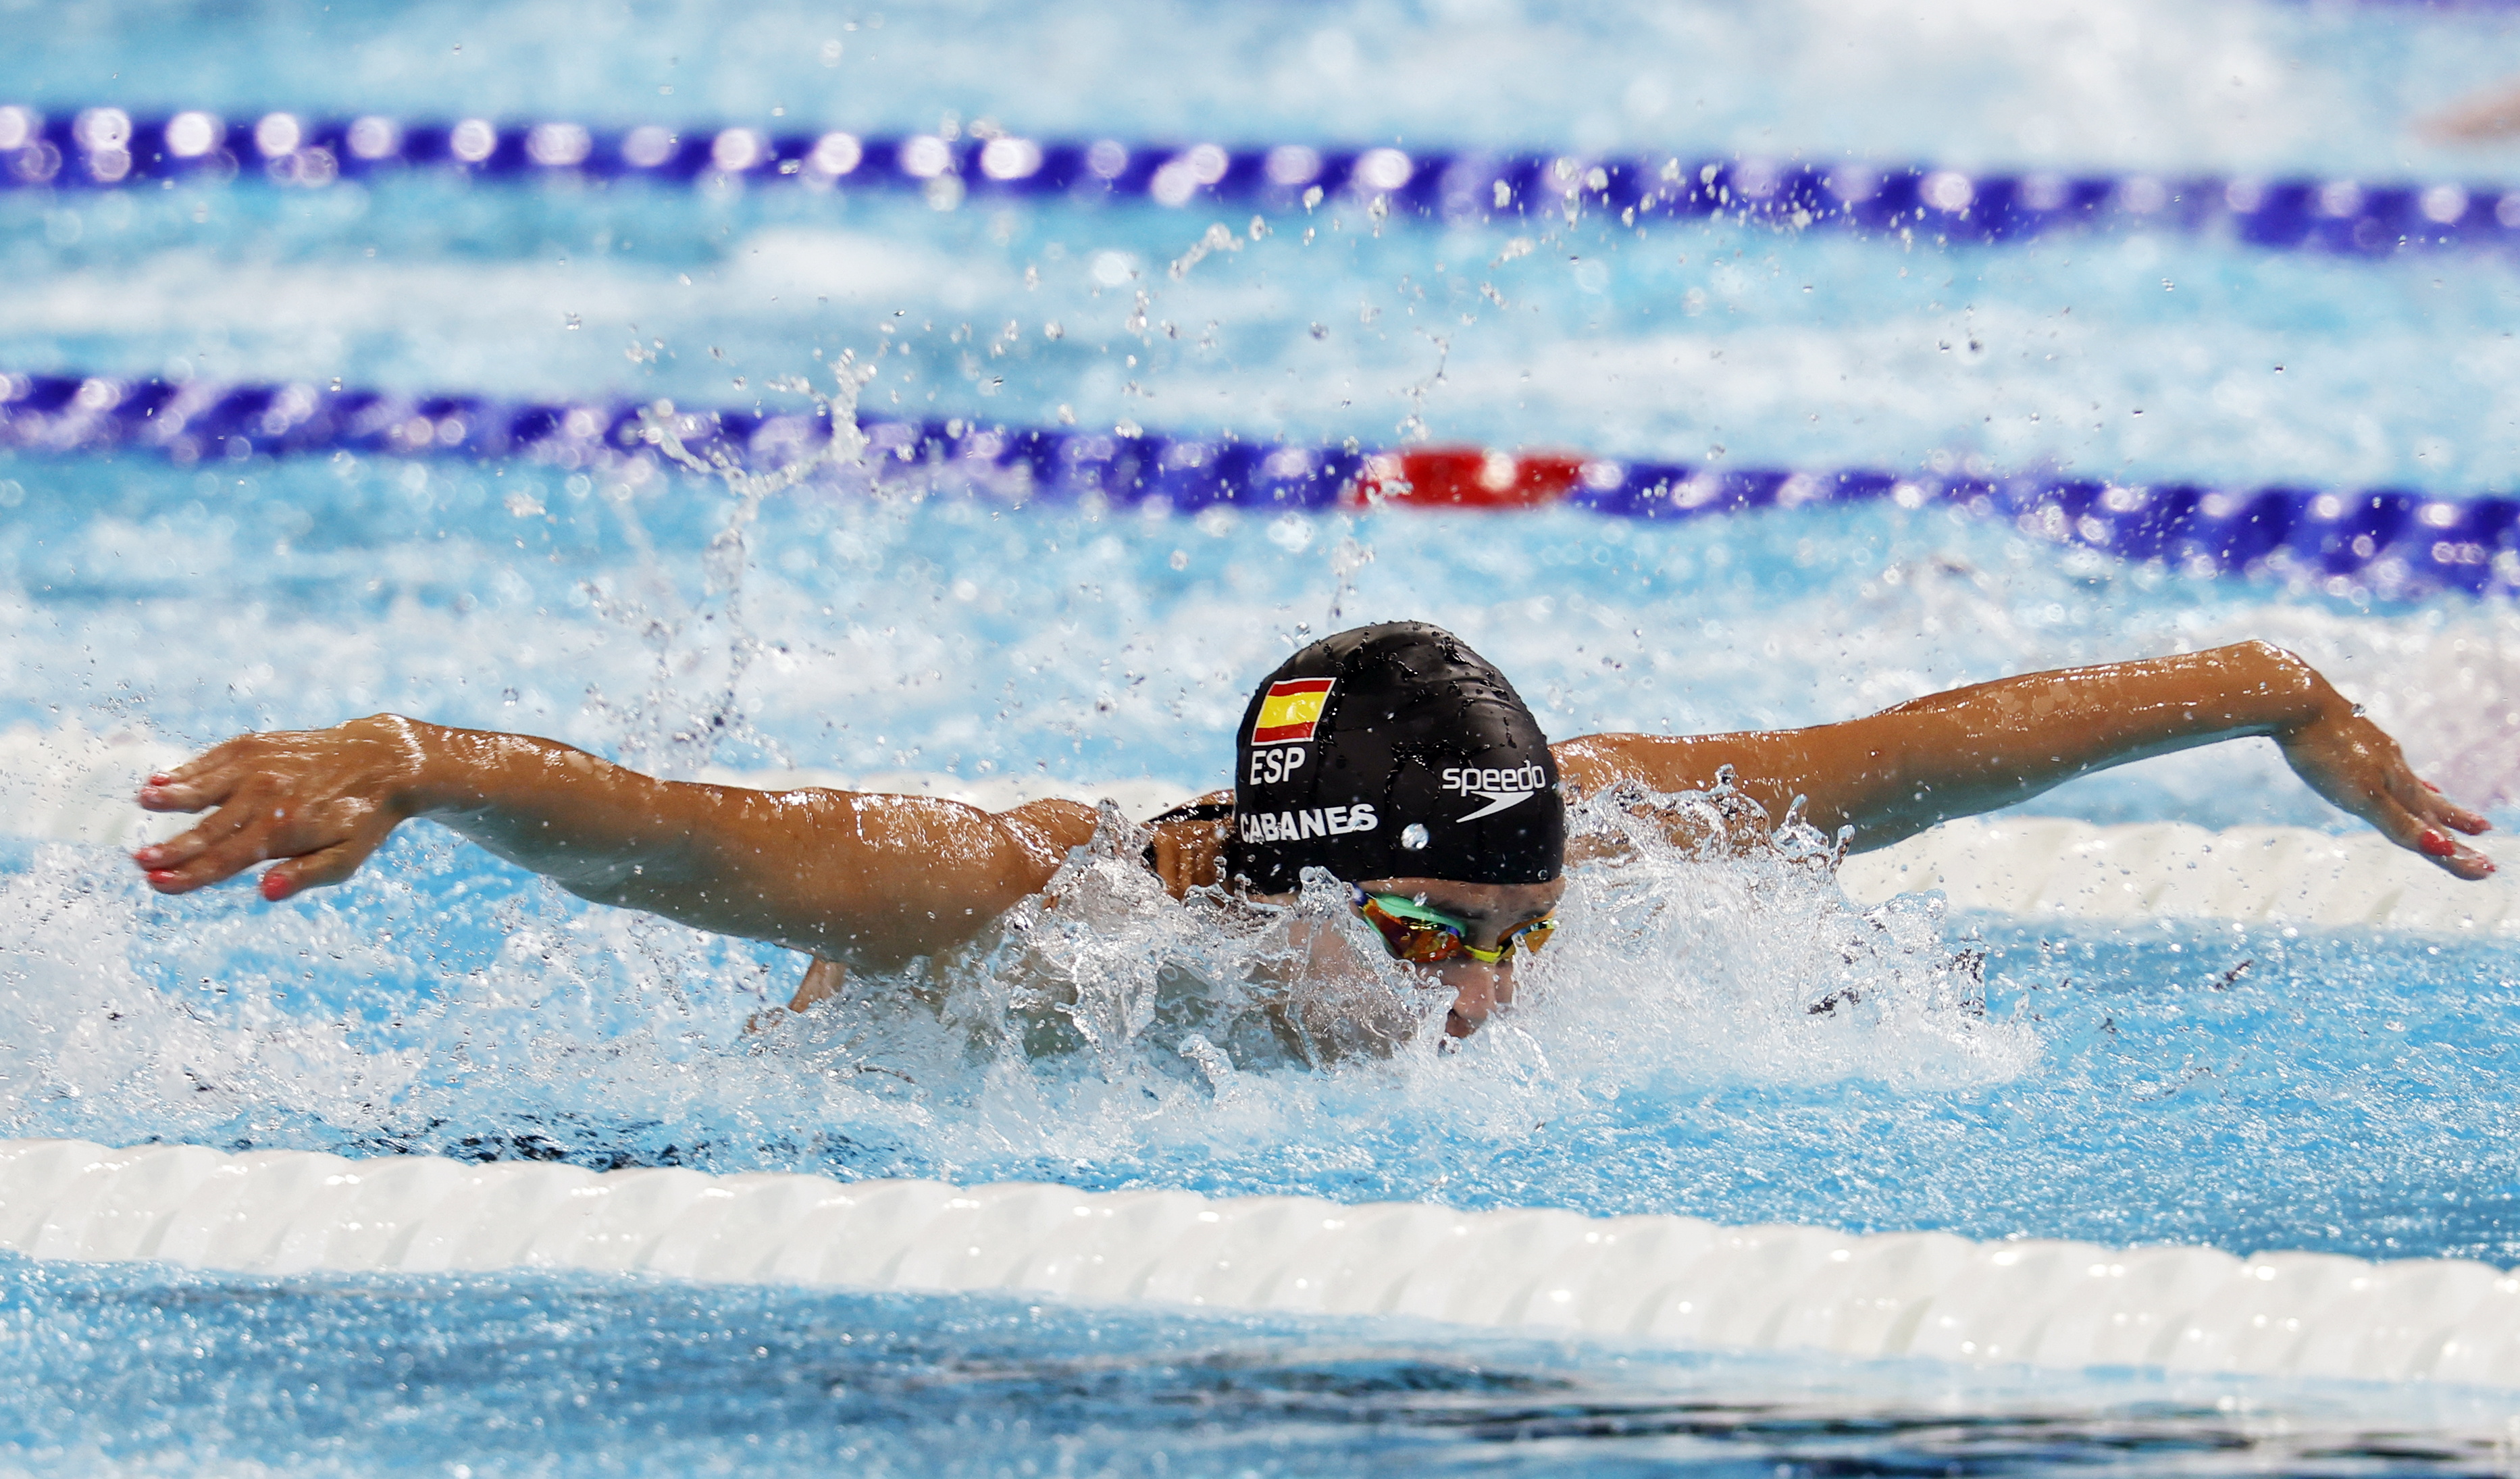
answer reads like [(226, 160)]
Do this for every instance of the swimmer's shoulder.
[(1052, 827), (1594, 763), (1188, 848)]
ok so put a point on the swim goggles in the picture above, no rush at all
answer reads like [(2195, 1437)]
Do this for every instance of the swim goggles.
[(1424, 936)]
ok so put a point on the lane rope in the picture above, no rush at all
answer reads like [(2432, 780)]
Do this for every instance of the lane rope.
[(109, 147), (2387, 542), (1675, 1281)]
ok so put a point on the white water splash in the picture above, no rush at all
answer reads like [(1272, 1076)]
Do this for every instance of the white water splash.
[(709, 646)]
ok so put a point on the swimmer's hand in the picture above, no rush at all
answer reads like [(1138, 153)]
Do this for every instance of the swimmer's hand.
[(2355, 764), (319, 801)]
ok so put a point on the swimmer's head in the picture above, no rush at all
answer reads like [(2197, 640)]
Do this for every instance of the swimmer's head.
[(1393, 751)]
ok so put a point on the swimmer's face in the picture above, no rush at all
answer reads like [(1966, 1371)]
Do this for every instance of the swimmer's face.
[(1491, 910)]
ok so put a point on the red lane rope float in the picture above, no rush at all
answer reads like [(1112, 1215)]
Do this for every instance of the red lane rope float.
[(2390, 542), (1466, 477)]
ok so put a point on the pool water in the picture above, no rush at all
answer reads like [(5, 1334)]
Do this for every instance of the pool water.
[(1735, 1040), (548, 1373)]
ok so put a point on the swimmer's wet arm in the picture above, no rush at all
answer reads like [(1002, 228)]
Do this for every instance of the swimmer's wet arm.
[(870, 880), (1974, 750)]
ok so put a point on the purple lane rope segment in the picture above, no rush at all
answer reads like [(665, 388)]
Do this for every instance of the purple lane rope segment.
[(109, 148), (2392, 543)]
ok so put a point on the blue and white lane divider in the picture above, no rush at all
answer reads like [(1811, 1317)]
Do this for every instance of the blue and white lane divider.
[(2393, 543), (1668, 1280), (109, 148)]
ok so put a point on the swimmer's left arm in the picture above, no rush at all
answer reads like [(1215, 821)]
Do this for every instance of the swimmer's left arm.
[(1973, 749)]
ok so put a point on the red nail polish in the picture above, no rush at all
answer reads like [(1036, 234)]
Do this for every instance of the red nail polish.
[(162, 876), (162, 779), (2431, 844), (2428, 785), (274, 887)]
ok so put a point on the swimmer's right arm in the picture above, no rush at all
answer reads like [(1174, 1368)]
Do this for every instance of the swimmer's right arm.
[(867, 881)]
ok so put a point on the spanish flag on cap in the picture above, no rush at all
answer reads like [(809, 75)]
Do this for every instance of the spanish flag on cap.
[(1290, 709)]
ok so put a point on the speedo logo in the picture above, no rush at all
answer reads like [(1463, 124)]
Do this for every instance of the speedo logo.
[(1500, 788), (1317, 822)]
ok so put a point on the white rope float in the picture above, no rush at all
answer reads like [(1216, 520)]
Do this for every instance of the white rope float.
[(2056, 867), (1664, 1280)]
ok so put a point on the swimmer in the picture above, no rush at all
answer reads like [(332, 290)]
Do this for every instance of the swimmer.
[(1392, 757)]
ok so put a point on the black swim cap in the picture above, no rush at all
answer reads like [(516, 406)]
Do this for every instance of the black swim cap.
[(1393, 751)]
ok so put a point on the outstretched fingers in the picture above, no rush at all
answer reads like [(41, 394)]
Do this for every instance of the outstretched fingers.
[(2351, 762), (320, 844), (205, 780), (319, 868), (317, 803), (2419, 830), (2435, 806), (2429, 821), (228, 841)]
